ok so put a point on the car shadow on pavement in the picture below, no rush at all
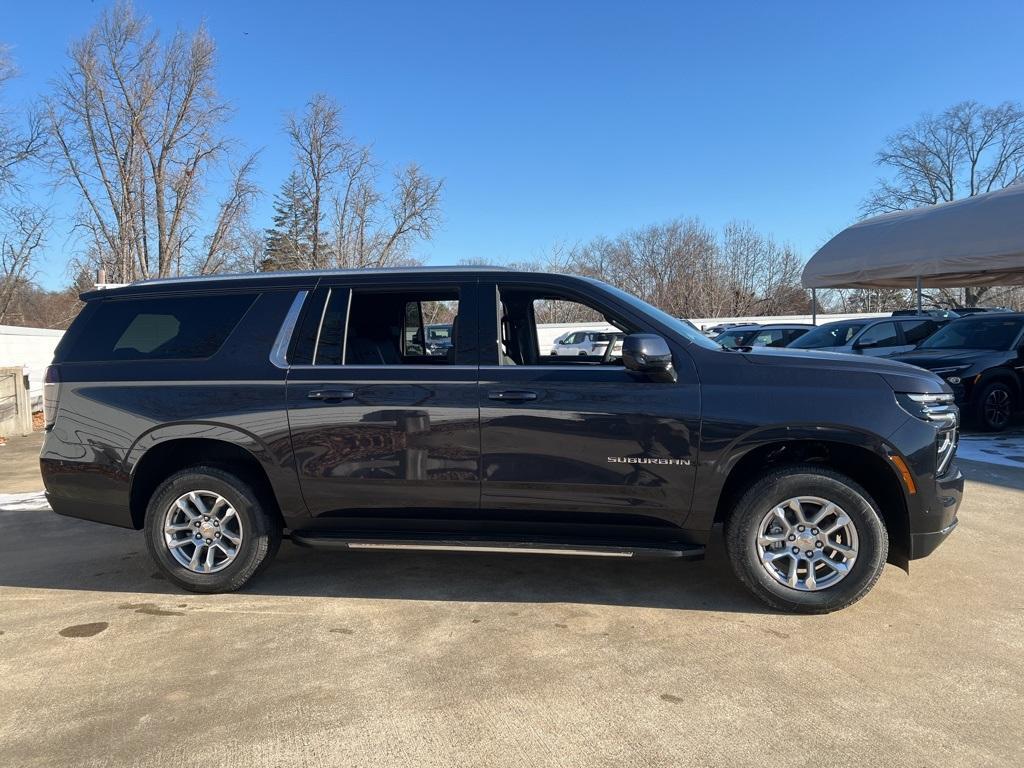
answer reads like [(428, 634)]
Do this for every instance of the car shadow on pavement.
[(992, 474), (41, 550)]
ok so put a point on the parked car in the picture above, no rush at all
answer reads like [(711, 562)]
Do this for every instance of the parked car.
[(982, 359), (878, 337), (774, 335), (585, 344), (439, 338), (944, 314), (966, 311), (220, 414), (714, 330)]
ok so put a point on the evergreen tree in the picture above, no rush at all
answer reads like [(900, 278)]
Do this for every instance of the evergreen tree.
[(289, 243)]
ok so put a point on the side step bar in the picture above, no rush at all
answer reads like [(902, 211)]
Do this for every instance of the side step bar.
[(335, 541)]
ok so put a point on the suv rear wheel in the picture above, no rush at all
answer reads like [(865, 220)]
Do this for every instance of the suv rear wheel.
[(805, 539), (209, 531)]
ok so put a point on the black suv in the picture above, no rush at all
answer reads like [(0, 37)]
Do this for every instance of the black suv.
[(220, 414), (981, 356)]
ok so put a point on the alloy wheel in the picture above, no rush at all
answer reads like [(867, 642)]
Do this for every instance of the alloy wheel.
[(997, 407), (807, 543), (202, 531)]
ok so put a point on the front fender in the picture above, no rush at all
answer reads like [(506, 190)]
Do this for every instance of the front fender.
[(719, 462)]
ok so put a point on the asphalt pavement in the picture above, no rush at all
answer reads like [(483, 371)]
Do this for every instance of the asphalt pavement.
[(398, 658)]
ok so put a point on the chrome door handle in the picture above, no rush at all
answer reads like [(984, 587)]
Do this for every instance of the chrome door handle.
[(513, 395), (331, 394)]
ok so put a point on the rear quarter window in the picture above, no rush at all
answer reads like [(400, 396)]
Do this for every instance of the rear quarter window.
[(172, 328)]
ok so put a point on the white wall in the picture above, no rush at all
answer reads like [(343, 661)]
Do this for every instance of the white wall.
[(707, 322), (32, 349), (548, 332)]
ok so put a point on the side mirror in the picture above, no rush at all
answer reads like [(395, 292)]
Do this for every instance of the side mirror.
[(648, 353)]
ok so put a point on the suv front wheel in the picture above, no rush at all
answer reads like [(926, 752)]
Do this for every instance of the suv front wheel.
[(994, 407), (805, 539), (209, 531)]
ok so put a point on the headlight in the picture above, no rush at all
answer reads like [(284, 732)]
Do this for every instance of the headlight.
[(941, 411), (938, 408), (945, 447)]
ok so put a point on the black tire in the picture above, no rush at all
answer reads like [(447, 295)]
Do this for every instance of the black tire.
[(994, 416), (260, 540), (770, 491)]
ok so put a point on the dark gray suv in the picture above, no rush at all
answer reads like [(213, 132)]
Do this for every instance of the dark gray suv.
[(223, 414)]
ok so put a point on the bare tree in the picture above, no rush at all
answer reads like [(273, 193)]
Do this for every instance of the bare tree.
[(758, 275), (229, 246), (23, 226), (136, 126), (684, 268), (322, 153), (965, 151), (670, 265), (368, 227), (17, 145), (22, 232)]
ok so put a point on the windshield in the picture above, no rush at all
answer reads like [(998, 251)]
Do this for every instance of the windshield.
[(831, 335), (733, 339), (976, 333), (684, 328), (439, 332)]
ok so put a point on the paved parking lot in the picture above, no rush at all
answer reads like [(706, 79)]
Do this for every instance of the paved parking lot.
[(429, 659)]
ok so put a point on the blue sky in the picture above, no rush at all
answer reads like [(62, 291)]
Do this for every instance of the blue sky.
[(558, 122)]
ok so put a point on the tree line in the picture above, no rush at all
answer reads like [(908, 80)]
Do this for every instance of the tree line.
[(134, 126)]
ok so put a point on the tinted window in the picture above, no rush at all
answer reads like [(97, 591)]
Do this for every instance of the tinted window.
[(792, 335), (881, 335), (831, 335), (684, 328), (304, 340), (439, 333), (771, 338), (329, 349), (733, 339), (183, 327), (376, 328), (917, 331), (976, 333)]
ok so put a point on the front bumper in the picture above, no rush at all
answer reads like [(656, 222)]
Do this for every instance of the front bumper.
[(938, 516), (923, 544)]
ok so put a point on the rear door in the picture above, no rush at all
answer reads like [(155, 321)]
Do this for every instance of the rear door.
[(572, 440), (378, 425), (916, 331)]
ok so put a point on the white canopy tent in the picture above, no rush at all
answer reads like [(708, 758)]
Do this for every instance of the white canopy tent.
[(975, 241)]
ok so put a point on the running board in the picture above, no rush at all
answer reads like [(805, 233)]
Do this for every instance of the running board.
[(335, 541)]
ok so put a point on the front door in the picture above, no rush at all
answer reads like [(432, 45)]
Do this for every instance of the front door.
[(379, 424), (881, 340), (580, 440)]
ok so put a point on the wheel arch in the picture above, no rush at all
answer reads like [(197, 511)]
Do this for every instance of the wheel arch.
[(162, 458), (865, 461), (1000, 374)]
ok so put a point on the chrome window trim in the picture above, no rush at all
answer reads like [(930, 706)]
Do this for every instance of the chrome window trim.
[(344, 338), (320, 322), (395, 367), (597, 367), (279, 352)]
